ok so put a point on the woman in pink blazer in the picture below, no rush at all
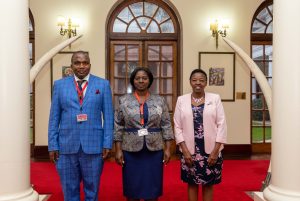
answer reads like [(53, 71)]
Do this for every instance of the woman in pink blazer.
[(200, 132)]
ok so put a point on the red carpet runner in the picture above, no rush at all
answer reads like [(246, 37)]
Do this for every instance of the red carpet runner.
[(239, 176)]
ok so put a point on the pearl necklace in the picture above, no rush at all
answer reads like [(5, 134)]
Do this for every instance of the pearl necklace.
[(198, 100)]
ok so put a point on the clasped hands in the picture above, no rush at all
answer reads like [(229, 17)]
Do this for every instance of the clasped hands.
[(212, 159)]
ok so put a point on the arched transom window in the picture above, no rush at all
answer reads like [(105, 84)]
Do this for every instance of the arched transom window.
[(263, 22), (143, 17)]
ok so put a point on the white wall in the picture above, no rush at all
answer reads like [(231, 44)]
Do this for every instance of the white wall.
[(195, 16)]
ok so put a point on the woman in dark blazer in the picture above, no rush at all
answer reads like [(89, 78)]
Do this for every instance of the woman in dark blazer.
[(142, 137)]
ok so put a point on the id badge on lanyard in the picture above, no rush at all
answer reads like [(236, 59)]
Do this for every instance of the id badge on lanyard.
[(82, 117), (143, 132)]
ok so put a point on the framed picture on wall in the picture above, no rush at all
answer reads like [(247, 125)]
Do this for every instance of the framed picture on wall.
[(220, 69), (60, 66)]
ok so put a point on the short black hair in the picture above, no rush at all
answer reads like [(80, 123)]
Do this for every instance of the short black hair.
[(136, 70), (85, 53), (197, 70)]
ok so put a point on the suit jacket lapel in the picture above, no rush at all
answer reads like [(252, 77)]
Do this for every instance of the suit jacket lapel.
[(72, 87)]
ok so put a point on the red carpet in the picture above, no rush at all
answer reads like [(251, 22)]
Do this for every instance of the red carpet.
[(239, 176)]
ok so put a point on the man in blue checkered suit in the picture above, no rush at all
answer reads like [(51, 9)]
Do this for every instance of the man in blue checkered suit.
[(80, 132)]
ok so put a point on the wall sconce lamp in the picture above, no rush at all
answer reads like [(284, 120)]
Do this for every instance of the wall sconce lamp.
[(216, 31), (70, 30)]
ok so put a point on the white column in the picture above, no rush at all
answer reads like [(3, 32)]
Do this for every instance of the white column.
[(285, 182), (14, 103)]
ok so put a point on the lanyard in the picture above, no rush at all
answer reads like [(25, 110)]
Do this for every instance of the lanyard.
[(80, 91), (141, 106)]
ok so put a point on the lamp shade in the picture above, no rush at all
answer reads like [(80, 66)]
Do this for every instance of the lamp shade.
[(61, 21)]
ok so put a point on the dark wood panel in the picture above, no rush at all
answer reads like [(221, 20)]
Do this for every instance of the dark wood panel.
[(261, 148)]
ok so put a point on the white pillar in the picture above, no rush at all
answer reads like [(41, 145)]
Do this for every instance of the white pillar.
[(14, 103), (285, 182)]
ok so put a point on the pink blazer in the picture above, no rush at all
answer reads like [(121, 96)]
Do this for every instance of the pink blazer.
[(214, 123)]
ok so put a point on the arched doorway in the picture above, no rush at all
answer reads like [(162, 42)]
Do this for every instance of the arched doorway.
[(262, 54), (144, 33)]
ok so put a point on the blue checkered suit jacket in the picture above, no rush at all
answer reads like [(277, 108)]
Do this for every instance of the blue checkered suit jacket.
[(65, 134)]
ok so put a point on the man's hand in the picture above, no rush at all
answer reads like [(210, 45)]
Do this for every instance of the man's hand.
[(54, 156), (105, 153)]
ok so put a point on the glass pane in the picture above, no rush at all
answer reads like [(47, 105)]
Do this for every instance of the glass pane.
[(271, 8), (261, 66), (120, 69), (257, 101), (265, 108), (120, 86), (270, 81), (30, 50), (167, 53), (137, 9), (31, 135), (143, 21), (154, 68), (264, 16), (153, 53), (133, 52), (119, 53), (257, 118), (153, 28), (258, 27), (267, 118), (131, 66), (31, 106), (134, 28), (268, 69), (257, 134), (269, 52), (161, 15), (257, 52), (270, 28), (30, 26), (125, 15), (119, 26), (167, 69), (150, 9), (166, 86), (167, 27), (255, 86), (268, 134), (155, 87), (169, 102)]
